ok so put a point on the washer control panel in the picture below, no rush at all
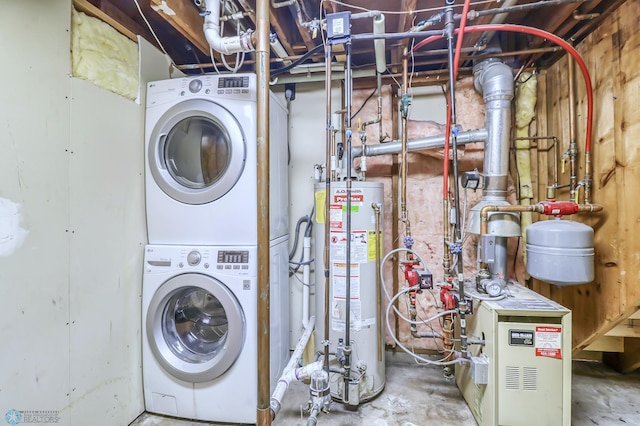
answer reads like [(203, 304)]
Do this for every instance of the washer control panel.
[(205, 259), (233, 259)]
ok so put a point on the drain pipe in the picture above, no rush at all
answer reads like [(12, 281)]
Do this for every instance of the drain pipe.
[(291, 373), (243, 42), (263, 415), (485, 37)]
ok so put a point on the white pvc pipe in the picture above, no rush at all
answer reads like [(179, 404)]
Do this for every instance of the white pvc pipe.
[(292, 373), (306, 256), (225, 45), (379, 44)]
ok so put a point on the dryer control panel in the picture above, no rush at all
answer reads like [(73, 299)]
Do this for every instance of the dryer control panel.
[(240, 87)]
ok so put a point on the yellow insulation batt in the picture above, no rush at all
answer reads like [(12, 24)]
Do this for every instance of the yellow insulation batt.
[(526, 98), (103, 56)]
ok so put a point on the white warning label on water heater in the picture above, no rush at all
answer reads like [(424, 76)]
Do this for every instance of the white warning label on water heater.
[(548, 341), (359, 246), (335, 216)]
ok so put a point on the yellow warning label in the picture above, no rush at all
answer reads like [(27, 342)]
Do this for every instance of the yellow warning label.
[(321, 197), (372, 240)]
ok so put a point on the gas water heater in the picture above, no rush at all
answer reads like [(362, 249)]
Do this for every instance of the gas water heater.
[(361, 349)]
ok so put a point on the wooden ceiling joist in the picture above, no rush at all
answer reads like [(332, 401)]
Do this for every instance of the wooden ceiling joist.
[(111, 16), (184, 17)]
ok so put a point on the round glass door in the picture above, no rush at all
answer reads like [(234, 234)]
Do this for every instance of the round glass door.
[(197, 152), (196, 327)]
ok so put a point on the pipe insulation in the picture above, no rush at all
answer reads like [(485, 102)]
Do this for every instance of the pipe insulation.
[(224, 45), (379, 44), (526, 97)]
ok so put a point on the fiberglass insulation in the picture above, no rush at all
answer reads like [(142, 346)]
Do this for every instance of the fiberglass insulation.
[(103, 56)]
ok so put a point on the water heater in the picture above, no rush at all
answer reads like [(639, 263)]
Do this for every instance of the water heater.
[(367, 377), (521, 374)]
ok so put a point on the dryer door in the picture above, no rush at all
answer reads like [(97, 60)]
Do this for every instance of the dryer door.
[(195, 327), (196, 152)]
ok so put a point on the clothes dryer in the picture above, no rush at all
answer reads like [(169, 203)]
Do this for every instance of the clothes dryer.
[(199, 330), (201, 161)]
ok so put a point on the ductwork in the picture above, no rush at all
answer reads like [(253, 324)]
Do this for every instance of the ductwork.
[(430, 142), (494, 80), (224, 45)]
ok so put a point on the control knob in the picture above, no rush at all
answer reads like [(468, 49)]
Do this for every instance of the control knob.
[(194, 258)]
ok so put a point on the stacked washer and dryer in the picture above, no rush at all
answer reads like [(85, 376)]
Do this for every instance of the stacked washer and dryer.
[(199, 292)]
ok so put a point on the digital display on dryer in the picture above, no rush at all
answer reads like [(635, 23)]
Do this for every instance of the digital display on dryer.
[(233, 257), (233, 82)]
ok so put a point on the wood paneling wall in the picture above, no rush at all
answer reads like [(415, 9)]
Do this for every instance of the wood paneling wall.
[(612, 55)]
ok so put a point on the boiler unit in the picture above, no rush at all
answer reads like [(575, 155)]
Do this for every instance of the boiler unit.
[(522, 369), (362, 347)]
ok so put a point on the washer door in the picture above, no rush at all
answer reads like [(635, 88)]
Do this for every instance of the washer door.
[(195, 327), (196, 152)]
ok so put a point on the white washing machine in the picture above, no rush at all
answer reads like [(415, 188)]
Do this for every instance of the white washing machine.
[(201, 163), (199, 329)]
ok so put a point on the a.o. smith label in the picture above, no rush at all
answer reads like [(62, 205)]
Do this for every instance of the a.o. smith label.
[(521, 337)]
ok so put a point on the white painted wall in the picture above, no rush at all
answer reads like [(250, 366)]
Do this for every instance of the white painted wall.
[(34, 167), (71, 155), (107, 238)]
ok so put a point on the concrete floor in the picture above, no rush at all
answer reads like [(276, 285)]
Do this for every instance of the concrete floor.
[(418, 395)]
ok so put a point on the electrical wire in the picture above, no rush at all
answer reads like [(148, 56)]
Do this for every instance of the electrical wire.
[(384, 260), (153, 33), (364, 103), (441, 362), (239, 55), (213, 61), (407, 12), (297, 62)]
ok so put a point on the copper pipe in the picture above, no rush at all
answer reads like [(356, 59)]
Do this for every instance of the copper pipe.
[(376, 208), (446, 258), (403, 162), (327, 211), (447, 336), (263, 414), (551, 190), (587, 177), (573, 148), (395, 220)]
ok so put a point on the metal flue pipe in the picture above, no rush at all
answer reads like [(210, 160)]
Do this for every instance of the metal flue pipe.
[(494, 80), (263, 414), (430, 142)]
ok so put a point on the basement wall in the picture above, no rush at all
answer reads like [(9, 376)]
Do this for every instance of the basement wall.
[(612, 55), (71, 157)]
